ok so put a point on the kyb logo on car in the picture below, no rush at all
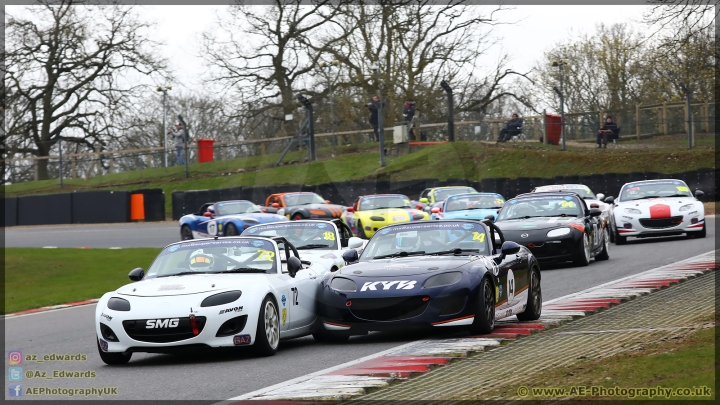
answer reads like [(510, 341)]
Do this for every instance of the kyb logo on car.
[(161, 323), (225, 311), (387, 285)]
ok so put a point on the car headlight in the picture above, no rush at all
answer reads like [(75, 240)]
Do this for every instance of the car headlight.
[(343, 284), (687, 207), (632, 211), (118, 304), (221, 299), (377, 218), (442, 280), (558, 232)]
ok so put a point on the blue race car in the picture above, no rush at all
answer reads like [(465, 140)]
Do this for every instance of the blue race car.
[(430, 274), (225, 218), (476, 206)]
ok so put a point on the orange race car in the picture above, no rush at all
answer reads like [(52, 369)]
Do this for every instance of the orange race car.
[(304, 205)]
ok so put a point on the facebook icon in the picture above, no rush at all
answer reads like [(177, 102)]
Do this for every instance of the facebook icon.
[(14, 390)]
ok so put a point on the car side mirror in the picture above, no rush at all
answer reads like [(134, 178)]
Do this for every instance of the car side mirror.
[(136, 274), (350, 256), (609, 200), (350, 209), (328, 202), (419, 207), (293, 265), (600, 196), (594, 205), (595, 212), (509, 248), (424, 200), (699, 194), (435, 210), (354, 242), (490, 218), (207, 214)]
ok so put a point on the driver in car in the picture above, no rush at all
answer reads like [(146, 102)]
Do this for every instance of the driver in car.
[(200, 261)]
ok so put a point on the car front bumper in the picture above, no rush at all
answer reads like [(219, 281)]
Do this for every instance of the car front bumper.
[(637, 226)]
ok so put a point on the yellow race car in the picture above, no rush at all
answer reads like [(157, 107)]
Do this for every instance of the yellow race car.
[(371, 212)]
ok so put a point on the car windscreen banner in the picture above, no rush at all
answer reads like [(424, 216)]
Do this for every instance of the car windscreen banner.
[(219, 243)]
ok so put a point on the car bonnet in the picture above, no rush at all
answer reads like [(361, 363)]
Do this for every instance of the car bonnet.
[(406, 266), (190, 284)]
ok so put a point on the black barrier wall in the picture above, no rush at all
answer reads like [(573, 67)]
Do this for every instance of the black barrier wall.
[(11, 211), (48, 209), (345, 193), (97, 207), (153, 203)]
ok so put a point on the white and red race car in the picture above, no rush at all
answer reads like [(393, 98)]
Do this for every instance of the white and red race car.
[(657, 208)]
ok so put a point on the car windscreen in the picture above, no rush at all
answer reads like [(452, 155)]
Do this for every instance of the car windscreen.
[(444, 193), (383, 202), (236, 207), (541, 206), (427, 238), (292, 200), (302, 235), (474, 202), (582, 191), (654, 189), (215, 256)]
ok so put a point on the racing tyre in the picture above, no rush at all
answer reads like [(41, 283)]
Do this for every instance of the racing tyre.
[(267, 335), (484, 321), (582, 256), (113, 358), (185, 233), (361, 230), (231, 230), (533, 309), (701, 234), (297, 217), (605, 252), (612, 234), (620, 240)]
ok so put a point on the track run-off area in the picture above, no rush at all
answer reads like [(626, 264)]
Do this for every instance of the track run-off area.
[(222, 374)]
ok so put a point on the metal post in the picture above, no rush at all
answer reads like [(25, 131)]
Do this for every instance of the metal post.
[(688, 113), (562, 110), (451, 112), (186, 136), (381, 130), (61, 173), (165, 152)]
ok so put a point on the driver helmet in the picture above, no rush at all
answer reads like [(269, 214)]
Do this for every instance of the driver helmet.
[(211, 209), (200, 261), (524, 210), (408, 243)]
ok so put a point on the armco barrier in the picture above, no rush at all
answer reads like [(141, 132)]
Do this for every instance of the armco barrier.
[(11, 211), (48, 209), (97, 207)]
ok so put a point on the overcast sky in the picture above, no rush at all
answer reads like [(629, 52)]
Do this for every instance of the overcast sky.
[(536, 30)]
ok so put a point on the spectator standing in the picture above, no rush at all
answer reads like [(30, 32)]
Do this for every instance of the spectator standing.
[(180, 143), (409, 113), (373, 107), (512, 128)]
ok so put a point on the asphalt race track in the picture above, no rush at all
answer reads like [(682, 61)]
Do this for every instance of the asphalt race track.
[(223, 374)]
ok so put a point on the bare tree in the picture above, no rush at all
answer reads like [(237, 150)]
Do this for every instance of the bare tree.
[(260, 53), (695, 16), (70, 66)]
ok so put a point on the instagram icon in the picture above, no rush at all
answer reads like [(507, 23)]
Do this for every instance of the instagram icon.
[(15, 357)]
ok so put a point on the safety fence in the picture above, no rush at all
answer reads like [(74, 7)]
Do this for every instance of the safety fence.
[(642, 122)]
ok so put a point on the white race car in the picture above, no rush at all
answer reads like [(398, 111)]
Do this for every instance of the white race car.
[(234, 291), (326, 239), (591, 199), (657, 208)]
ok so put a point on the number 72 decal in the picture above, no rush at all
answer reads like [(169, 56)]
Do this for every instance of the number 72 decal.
[(295, 295)]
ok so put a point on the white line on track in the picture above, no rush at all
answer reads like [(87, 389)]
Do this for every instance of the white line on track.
[(6, 317)]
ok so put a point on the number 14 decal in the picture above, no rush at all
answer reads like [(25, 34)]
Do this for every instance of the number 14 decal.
[(295, 295)]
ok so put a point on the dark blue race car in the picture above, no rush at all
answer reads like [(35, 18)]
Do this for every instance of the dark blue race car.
[(225, 218), (431, 274)]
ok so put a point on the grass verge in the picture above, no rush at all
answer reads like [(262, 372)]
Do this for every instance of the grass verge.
[(469, 160), (684, 362), (36, 277)]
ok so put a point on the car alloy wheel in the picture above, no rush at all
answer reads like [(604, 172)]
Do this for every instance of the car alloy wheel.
[(586, 243), (231, 230), (489, 298), (185, 233), (272, 327)]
